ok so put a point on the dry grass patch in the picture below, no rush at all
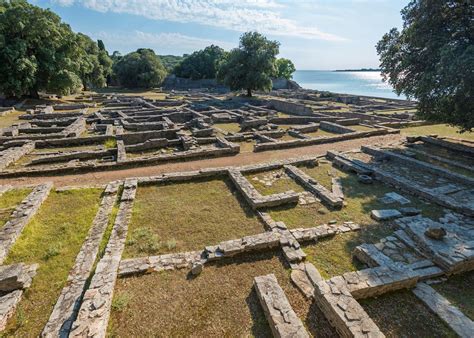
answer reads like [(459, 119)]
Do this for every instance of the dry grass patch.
[(187, 216), (358, 127), (228, 127), (9, 201), (246, 146), (401, 314), (322, 173), (52, 239), (220, 302), (10, 118), (273, 182), (459, 291), (320, 133)]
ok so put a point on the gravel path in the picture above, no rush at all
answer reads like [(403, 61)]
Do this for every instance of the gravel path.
[(103, 177)]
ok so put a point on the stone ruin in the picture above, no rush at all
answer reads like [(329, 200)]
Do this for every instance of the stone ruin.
[(119, 130), (409, 258)]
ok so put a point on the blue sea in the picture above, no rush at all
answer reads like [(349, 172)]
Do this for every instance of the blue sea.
[(359, 83)]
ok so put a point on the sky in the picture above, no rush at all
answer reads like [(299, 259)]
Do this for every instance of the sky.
[(314, 34)]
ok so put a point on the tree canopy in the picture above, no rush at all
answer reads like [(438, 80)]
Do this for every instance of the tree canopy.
[(170, 61), (39, 52), (142, 69), (432, 60), (201, 64), (285, 68), (252, 65)]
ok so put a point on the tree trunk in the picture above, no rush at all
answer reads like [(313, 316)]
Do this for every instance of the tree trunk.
[(84, 86), (34, 93), (249, 92)]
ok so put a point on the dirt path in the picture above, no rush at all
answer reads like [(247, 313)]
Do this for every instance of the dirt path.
[(238, 160)]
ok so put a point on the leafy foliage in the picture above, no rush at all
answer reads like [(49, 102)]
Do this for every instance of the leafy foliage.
[(432, 60), (39, 52), (142, 68), (250, 66), (201, 64), (285, 68), (170, 61)]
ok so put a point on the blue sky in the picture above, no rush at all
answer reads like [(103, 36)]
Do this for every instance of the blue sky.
[(314, 34)]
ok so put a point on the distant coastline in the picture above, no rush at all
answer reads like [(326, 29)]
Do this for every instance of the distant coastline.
[(358, 70)]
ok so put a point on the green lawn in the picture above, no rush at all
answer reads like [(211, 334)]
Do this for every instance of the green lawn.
[(9, 201), (438, 129), (187, 216), (52, 239)]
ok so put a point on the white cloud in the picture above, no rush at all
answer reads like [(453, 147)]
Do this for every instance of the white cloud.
[(238, 15), (162, 43)]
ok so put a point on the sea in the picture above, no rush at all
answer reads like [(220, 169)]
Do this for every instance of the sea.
[(367, 83)]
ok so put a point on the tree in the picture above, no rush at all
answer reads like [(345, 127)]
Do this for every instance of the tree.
[(432, 60), (142, 68), (201, 64), (252, 65), (170, 61), (95, 64), (37, 51), (285, 68)]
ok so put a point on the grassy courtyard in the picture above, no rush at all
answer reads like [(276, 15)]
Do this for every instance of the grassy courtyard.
[(219, 302), (187, 216), (52, 239)]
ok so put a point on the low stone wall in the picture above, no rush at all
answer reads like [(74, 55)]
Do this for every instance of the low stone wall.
[(147, 145), (314, 187), (291, 108), (65, 310), (442, 172), (94, 313), (121, 152), (74, 155), (76, 128), (449, 145), (257, 200), (12, 155), (280, 315), (334, 128), (14, 279), (323, 140), (20, 217)]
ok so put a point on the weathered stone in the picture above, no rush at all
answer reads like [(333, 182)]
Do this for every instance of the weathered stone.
[(385, 214), (281, 317)]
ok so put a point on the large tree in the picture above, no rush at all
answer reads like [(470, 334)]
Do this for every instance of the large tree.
[(432, 59), (94, 63), (37, 51), (201, 64), (252, 65), (285, 68), (142, 68)]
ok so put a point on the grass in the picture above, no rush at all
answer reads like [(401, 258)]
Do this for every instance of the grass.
[(8, 202), (439, 129), (360, 199), (220, 302), (320, 133), (458, 290), (228, 127), (52, 239), (333, 256), (322, 173), (110, 143), (358, 127), (246, 147), (187, 216), (401, 314), (279, 185), (10, 118)]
